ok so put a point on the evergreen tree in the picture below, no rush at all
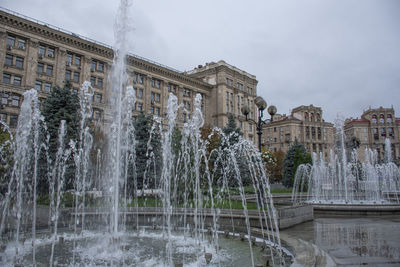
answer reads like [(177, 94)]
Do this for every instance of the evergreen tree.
[(295, 156), (144, 152), (232, 130), (61, 104)]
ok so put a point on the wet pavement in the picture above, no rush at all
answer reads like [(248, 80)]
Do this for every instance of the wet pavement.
[(354, 241)]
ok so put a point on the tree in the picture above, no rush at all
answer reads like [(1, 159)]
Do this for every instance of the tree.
[(146, 152), (61, 104), (231, 130), (278, 169), (295, 156), (273, 163)]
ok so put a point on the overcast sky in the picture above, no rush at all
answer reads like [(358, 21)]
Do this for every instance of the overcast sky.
[(341, 55)]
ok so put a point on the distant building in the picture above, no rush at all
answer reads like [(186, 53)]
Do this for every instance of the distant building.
[(304, 124), (374, 126), (37, 55)]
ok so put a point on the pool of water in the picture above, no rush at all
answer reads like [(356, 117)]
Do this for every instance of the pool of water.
[(352, 241)]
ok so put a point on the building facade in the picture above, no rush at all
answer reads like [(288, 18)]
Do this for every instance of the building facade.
[(36, 55), (304, 125), (372, 129)]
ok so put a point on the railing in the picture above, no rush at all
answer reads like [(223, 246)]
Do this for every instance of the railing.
[(83, 37)]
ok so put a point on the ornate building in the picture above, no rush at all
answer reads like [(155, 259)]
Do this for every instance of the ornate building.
[(374, 126), (36, 55), (304, 124)]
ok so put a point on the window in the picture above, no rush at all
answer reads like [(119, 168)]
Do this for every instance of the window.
[(6, 78), (49, 70), (17, 80), (186, 92), (4, 98), (172, 87), (21, 44), (239, 86), (389, 118), (139, 106), (135, 77), (47, 87), (139, 93), (250, 127), (100, 83), (97, 115), (100, 66), (68, 75), (374, 119), (19, 62), (3, 117), (42, 50), (76, 77), (155, 97), (140, 78), (40, 67), (15, 100), (157, 111), (93, 67), (50, 52), (9, 60), (77, 61), (13, 121), (98, 98), (10, 41), (38, 85), (186, 104), (381, 119), (229, 82), (69, 59), (93, 81)]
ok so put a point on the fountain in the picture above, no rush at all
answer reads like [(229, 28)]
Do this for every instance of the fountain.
[(190, 225), (350, 182)]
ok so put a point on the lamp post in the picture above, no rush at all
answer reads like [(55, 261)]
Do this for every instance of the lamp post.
[(261, 105)]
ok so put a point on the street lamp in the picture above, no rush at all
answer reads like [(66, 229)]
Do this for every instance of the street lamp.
[(261, 105)]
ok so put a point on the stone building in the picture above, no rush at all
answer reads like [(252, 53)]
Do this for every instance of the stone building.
[(36, 55), (374, 126), (304, 124)]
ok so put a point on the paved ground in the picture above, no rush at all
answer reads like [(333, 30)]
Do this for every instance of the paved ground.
[(350, 241)]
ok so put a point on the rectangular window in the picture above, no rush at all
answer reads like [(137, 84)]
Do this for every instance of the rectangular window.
[(69, 59), (139, 106), (140, 93), (98, 98), (6, 78), (67, 75), (17, 80), (21, 44), (19, 62), (40, 67), (157, 111), (50, 52), (9, 60), (93, 67), (3, 117), (49, 70), (15, 100), (140, 78), (100, 83), (76, 77), (10, 41), (38, 85), (77, 60), (13, 121), (93, 81), (42, 50), (135, 77), (47, 87), (4, 98), (100, 66)]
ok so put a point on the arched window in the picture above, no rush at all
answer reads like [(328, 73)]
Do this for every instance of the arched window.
[(374, 120), (381, 118), (305, 116), (312, 117), (318, 117), (389, 118)]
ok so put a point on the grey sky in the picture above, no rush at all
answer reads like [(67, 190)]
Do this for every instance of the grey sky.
[(341, 55)]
